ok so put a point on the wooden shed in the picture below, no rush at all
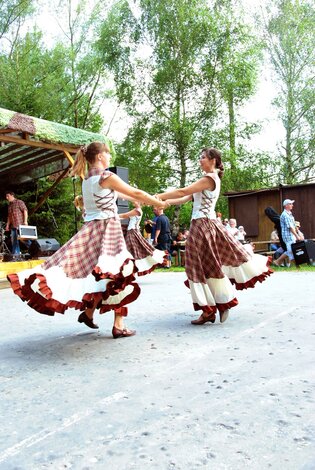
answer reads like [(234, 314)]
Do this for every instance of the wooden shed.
[(248, 208)]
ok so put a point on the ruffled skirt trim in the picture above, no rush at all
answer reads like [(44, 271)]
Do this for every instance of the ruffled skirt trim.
[(146, 257), (217, 264), (109, 291), (94, 267)]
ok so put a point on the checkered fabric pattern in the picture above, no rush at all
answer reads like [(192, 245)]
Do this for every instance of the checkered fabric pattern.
[(16, 213), (79, 256), (137, 245), (209, 246), (287, 221)]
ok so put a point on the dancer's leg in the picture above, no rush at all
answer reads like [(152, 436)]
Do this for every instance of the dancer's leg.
[(87, 316), (119, 330)]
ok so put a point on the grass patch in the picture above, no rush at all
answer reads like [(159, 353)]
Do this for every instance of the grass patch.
[(293, 268), (173, 269), (302, 267)]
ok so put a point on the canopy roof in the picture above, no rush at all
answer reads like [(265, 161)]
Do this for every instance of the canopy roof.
[(31, 148)]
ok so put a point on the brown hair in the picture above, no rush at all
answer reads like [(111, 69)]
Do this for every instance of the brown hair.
[(212, 153), (87, 154)]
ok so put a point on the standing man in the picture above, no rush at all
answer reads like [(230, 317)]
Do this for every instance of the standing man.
[(288, 230), (17, 215), (162, 235)]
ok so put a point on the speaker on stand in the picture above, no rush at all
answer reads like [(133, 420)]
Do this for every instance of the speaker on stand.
[(122, 204), (43, 247)]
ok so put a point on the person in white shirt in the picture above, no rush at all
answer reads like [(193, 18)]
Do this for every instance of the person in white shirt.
[(241, 234)]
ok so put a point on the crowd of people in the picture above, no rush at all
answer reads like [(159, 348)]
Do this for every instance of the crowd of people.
[(97, 268)]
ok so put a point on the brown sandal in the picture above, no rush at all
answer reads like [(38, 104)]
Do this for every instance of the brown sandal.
[(204, 319), (124, 333)]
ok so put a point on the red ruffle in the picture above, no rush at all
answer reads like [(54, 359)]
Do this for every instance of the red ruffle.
[(251, 283), (155, 266), (44, 303), (210, 309)]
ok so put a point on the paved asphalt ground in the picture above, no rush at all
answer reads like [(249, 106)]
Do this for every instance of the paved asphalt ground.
[(238, 395)]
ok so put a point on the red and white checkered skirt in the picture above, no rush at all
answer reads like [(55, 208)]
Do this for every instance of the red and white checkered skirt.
[(216, 262), (147, 258), (92, 265)]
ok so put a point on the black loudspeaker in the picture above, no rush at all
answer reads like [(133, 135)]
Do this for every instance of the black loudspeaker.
[(123, 173), (43, 247), (304, 252)]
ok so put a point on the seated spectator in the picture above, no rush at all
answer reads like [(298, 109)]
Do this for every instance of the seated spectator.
[(298, 230), (219, 216), (148, 229), (241, 234), (178, 249), (232, 227), (225, 222), (274, 238)]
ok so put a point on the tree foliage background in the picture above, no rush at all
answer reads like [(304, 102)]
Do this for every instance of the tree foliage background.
[(182, 71)]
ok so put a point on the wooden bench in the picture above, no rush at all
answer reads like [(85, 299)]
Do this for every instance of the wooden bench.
[(263, 251)]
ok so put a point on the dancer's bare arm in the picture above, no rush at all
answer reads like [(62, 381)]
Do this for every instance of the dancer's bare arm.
[(205, 182), (117, 184), (128, 214), (178, 201)]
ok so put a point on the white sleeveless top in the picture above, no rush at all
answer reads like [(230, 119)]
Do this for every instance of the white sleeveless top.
[(99, 203), (134, 221), (205, 201)]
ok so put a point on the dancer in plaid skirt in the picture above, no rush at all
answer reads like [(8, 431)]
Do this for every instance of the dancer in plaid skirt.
[(147, 258), (94, 269), (215, 260)]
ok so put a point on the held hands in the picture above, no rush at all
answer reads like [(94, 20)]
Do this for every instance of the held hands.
[(162, 204)]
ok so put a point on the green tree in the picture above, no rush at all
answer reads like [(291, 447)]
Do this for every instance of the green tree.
[(168, 59), (290, 38), (88, 81), (12, 13), (238, 76), (35, 79)]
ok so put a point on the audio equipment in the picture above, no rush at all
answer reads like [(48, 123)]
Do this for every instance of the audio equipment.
[(304, 252), (27, 232), (123, 173), (43, 247)]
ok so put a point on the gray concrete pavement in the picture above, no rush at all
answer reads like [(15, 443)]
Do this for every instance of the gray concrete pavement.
[(176, 396)]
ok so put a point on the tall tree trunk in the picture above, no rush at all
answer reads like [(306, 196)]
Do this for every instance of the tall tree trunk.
[(232, 136), (288, 130), (183, 174)]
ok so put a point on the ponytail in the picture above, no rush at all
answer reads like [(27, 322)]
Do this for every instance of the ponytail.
[(79, 166), (87, 155), (220, 170)]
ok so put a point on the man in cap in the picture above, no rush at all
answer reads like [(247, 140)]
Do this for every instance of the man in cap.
[(288, 230)]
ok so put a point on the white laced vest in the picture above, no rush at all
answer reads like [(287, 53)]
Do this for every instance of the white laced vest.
[(205, 201), (134, 221), (99, 203)]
